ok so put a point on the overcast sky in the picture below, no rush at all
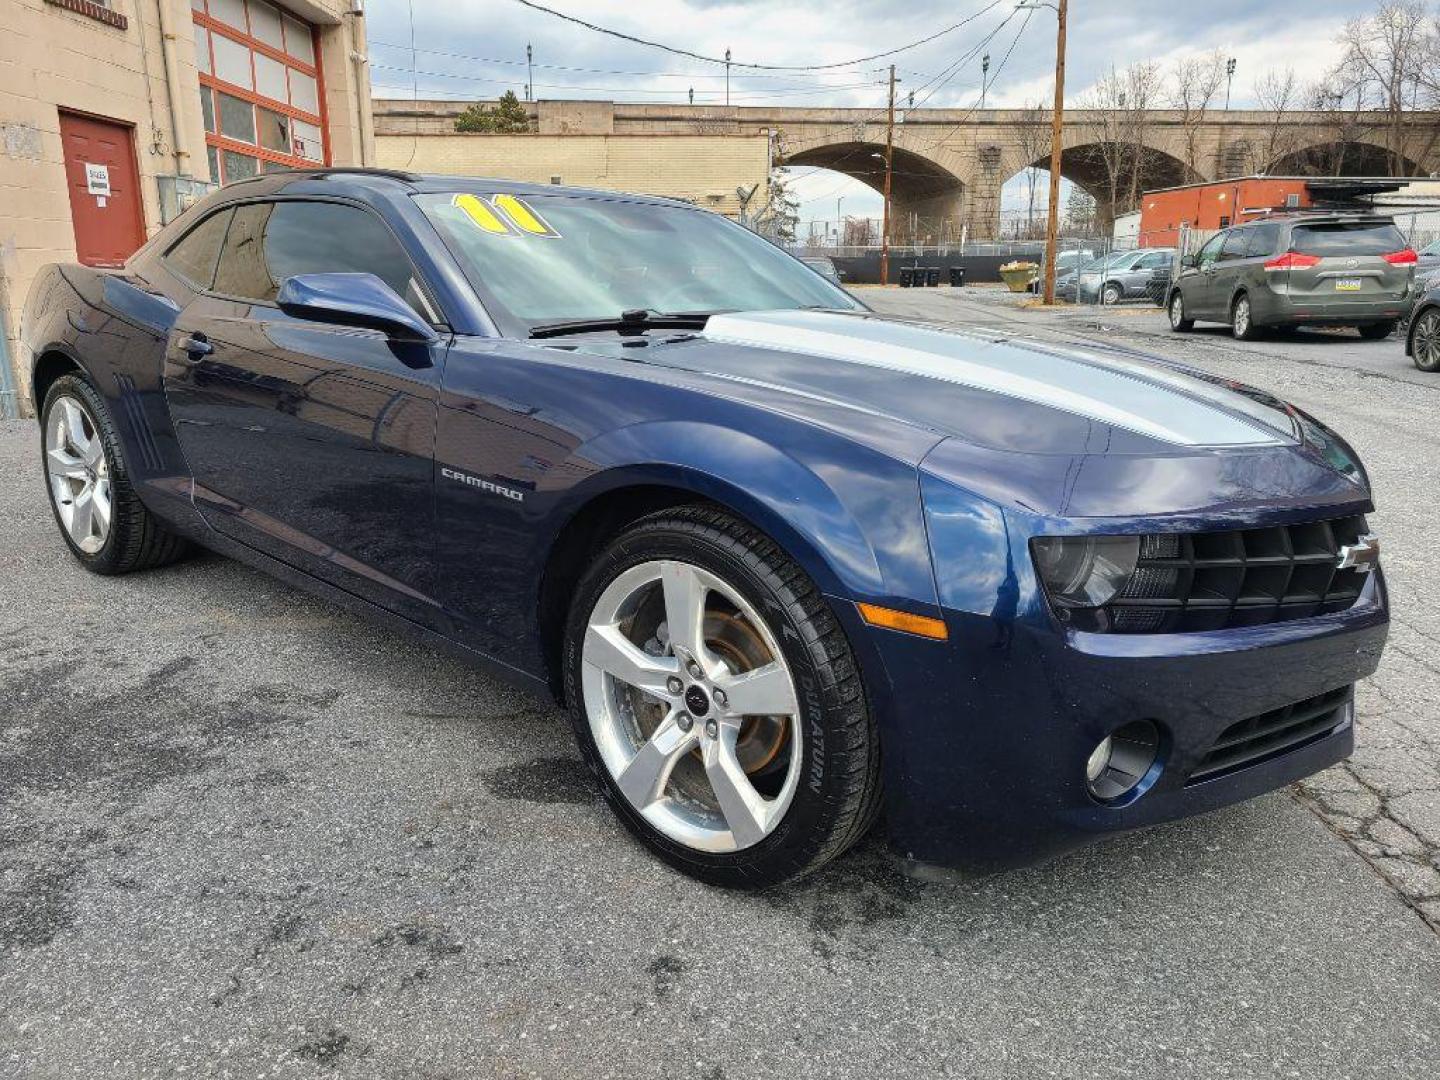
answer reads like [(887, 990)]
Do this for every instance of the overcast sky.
[(476, 49)]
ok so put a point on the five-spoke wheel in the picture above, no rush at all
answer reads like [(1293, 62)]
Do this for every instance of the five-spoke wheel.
[(718, 702), (79, 474)]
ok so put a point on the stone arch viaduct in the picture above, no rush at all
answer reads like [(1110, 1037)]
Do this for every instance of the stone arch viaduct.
[(950, 164)]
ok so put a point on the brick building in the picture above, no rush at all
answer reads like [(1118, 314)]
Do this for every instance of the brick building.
[(116, 114)]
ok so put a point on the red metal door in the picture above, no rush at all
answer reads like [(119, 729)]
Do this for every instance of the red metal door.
[(104, 189)]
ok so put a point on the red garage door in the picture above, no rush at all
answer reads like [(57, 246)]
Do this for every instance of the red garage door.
[(104, 189)]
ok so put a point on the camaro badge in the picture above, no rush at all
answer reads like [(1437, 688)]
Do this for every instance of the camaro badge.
[(1361, 555), (483, 485)]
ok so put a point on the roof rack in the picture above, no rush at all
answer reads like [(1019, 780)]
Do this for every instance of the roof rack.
[(326, 170)]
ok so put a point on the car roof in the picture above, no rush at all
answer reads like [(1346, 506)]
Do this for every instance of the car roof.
[(355, 180)]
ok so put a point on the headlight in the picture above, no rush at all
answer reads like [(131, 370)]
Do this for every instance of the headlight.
[(1085, 571)]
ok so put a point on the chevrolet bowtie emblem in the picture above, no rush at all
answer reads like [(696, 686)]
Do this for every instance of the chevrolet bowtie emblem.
[(1361, 555)]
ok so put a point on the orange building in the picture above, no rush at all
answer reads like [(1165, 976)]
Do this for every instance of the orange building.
[(1217, 204)]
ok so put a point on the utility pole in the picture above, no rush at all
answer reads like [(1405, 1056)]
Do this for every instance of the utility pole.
[(984, 77), (1229, 78), (727, 78), (1057, 121), (889, 169)]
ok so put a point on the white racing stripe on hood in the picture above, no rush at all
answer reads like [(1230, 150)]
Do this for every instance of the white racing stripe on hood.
[(1164, 404)]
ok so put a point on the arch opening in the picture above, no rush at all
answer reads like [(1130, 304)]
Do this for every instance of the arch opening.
[(926, 199), (1343, 157)]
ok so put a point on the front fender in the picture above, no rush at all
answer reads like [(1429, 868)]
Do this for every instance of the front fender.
[(850, 516)]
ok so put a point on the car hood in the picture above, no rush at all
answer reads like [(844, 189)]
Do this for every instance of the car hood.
[(982, 386)]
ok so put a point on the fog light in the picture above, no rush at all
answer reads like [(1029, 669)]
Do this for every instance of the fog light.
[(1122, 760)]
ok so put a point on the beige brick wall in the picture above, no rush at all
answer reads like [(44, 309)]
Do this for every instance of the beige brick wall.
[(52, 59), (702, 169)]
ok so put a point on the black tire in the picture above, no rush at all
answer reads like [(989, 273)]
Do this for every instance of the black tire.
[(1111, 294), (838, 797), (137, 540), (1242, 323), (1175, 309), (1377, 331), (1425, 341)]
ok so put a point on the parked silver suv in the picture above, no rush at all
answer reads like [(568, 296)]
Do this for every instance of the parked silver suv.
[(1314, 268)]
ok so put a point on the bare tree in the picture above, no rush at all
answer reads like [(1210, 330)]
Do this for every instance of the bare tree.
[(1389, 57), (1277, 92), (1033, 144), (1194, 84), (1119, 113)]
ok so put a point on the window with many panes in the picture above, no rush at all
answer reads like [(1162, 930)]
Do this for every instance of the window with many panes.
[(260, 88)]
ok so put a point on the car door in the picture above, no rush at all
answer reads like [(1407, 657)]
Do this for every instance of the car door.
[(1138, 278), (1198, 285), (311, 442), (1228, 269), (1253, 277)]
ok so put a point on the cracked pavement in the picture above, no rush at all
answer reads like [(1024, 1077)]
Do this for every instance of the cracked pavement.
[(244, 834)]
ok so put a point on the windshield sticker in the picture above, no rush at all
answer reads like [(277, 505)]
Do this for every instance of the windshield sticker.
[(482, 214), (503, 215), (523, 215)]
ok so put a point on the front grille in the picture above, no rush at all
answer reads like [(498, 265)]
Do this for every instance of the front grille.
[(1245, 577), (1265, 736)]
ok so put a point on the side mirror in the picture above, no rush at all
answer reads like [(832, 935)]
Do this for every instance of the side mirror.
[(1190, 260), (353, 300)]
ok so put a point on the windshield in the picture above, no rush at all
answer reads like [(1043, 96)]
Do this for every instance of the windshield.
[(559, 258)]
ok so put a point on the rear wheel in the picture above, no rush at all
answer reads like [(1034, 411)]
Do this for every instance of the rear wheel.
[(1178, 320), (1425, 341), (717, 700), (1377, 331), (1242, 324), (102, 520)]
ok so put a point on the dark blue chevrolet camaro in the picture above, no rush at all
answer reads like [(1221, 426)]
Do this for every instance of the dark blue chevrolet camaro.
[(787, 563)]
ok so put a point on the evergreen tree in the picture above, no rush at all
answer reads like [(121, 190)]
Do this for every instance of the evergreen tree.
[(507, 117)]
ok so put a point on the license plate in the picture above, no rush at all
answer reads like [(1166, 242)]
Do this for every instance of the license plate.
[(1348, 284)]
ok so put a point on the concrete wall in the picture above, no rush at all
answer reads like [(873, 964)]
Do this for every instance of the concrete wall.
[(53, 58), (702, 169)]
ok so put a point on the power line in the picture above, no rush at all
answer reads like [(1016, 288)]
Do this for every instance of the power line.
[(508, 62), (755, 67)]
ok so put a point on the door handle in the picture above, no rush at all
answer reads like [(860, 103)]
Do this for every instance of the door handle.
[(196, 347)]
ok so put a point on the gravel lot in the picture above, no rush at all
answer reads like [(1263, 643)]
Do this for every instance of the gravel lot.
[(245, 834)]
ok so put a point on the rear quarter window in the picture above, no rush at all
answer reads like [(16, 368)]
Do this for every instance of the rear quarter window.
[(193, 257), (1347, 238)]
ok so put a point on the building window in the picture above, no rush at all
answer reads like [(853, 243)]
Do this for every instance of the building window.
[(261, 88)]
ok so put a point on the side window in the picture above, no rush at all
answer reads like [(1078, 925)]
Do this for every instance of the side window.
[(270, 242), (1234, 246), (193, 258), (1154, 261), (1264, 239), (1211, 249)]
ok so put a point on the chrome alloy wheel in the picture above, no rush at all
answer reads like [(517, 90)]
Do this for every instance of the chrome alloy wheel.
[(692, 706), (1242, 317), (1425, 342), (79, 474)]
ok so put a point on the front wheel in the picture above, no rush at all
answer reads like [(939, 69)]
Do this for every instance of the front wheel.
[(1178, 321), (1425, 341), (1111, 294), (717, 700), (1377, 331), (1242, 324)]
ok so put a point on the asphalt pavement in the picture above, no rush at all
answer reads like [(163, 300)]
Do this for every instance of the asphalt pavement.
[(245, 834)]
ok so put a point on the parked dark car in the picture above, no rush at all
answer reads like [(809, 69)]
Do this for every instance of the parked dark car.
[(785, 562), (1422, 341), (1427, 261), (1305, 269)]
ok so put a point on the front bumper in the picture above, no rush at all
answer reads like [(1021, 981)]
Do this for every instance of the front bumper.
[(985, 737)]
